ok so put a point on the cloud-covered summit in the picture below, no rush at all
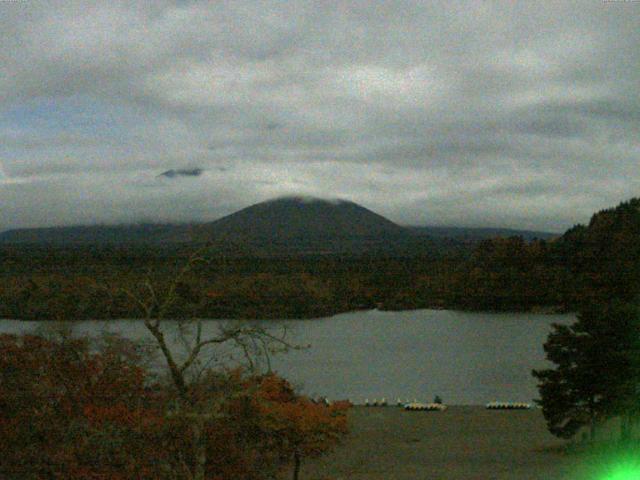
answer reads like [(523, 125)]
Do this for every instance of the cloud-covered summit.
[(515, 114)]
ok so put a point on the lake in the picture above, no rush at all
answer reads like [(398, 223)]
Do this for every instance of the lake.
[(465, 358)]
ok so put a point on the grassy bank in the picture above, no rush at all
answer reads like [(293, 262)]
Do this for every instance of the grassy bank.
[(461, 443)]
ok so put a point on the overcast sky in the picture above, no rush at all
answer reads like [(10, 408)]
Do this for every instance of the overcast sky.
[(516, 114)]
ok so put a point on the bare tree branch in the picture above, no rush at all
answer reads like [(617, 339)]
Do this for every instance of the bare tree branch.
[(253, 341), (195, 351)]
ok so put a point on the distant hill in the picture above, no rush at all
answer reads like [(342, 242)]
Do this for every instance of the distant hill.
[(98, 235), (473, 235)]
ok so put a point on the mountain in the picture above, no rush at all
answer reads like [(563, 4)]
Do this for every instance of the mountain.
[(305, 225)]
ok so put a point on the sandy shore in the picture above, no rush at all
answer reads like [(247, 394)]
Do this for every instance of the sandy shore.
[(468, 443)]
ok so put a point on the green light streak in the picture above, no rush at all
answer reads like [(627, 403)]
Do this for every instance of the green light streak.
[(623, 471)]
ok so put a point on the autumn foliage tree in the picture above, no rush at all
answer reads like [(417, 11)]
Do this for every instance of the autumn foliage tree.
[(297, 426), (67, 411), (71, 410), (264, 428)]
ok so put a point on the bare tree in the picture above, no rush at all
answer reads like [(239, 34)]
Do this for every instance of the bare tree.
[(252, 341)]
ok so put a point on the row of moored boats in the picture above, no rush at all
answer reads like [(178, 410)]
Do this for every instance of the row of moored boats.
[(439, 406), (407, 405), (508, 406)]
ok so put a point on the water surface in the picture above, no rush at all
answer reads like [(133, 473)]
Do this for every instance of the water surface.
[(466, 358)]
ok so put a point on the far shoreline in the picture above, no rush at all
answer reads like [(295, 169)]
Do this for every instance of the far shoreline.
[(537, 310)]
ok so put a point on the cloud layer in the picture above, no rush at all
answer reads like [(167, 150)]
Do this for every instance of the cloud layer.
[(507, 114)]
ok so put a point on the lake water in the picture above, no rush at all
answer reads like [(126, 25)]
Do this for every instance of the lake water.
[(466, 358)]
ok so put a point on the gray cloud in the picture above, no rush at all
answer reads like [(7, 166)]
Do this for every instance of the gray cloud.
[(182, 172), (486, 113)]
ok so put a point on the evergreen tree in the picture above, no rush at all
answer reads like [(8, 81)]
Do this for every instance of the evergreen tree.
[(597, 371)]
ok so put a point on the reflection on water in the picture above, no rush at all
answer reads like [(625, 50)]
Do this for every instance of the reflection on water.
[(466, 358)]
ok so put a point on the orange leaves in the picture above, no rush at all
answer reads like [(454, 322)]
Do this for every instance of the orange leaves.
[(70, 411), (272, 388), (296, 423), (63, 406), (123, 415)]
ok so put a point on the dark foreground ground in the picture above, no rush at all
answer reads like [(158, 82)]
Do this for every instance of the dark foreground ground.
[(468, 443)]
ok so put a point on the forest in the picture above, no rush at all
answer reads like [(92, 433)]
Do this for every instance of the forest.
[(498, 274)]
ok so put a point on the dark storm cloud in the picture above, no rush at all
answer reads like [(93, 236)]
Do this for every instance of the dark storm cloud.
[(515, 114), (182, 172)]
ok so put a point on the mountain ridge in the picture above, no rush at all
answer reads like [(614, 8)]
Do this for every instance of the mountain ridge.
[(291, 224)]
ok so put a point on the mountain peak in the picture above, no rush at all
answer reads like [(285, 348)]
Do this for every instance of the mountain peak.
[(301, 223)]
